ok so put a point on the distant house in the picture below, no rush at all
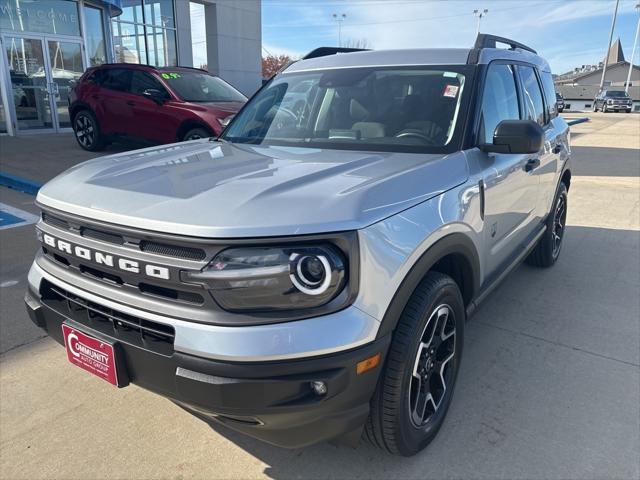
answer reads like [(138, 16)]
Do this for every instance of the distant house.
[(580, 86)]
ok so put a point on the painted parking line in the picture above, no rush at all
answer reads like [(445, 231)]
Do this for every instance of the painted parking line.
[(11, 217)]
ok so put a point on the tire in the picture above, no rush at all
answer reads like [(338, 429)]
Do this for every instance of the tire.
[(595, 107), (548, 249), (87, 131), (196, 133), (394, 423)]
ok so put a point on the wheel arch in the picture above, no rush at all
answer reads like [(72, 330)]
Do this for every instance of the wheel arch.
[(454, 255), (190, 124), (78, 107)]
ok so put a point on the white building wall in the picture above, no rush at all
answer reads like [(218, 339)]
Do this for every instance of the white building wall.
[(234, 42)]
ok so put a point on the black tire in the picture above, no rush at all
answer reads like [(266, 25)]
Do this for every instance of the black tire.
[(87, 131), (548, 249), (196, 133), (392, 424), (595, 107)]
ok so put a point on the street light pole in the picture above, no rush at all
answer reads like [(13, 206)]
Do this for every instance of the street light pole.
[(633, 52), (339, 18), (479, 14), (606, 58)]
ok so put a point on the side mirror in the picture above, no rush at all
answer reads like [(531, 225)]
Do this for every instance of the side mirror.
[(155, 95), (516, 136)]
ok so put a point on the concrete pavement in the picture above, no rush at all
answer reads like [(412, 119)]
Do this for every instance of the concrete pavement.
[(549, 385)]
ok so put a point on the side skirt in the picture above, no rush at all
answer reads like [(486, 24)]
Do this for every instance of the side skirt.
[(517, 258)]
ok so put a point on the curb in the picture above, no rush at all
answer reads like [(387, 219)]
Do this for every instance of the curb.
[(575, 121), (18, 183)]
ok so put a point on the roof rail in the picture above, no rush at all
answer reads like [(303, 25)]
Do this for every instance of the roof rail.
[(485, 40), (324, 51)]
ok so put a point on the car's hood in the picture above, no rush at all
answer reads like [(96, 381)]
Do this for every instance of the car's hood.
[(229, 107), (210, 189)]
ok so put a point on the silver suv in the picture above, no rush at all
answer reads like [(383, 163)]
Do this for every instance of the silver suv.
[(308, 274)]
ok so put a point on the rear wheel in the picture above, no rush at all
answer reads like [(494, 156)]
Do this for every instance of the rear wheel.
[(195, 134), (87, 131), (416, 386), (548, 248)]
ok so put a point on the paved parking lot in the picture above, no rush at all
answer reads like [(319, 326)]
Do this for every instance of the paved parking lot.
[(549, 385)]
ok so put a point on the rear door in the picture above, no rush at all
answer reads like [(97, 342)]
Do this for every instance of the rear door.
[(510, 183), (555, 146)]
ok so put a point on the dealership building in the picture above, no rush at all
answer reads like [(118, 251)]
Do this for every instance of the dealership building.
[(47, 44)]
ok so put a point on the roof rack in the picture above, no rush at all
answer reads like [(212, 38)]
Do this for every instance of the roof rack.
[(324, 51), (485, 40)]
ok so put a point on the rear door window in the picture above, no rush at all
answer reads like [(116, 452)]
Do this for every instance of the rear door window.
[(118, 79), (534, 105), (550, 95), (499, 100)]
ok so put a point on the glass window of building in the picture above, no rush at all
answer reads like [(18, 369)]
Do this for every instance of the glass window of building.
[(94, 36), (44, 16), (145, 33)]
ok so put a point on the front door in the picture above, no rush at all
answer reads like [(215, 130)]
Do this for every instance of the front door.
[(41, 71), (510, 181)]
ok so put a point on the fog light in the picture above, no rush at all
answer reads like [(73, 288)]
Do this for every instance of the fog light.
[(320, 388)]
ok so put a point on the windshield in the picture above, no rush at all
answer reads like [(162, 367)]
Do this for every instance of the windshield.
[(616, 94), (201, 87), (389, 109)]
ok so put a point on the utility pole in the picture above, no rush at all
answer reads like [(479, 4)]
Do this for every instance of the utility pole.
[(339, 18), (633, 51), (479, 14), (606, 58)]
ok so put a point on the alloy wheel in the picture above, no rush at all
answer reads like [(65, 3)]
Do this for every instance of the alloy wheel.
[(433, 369), (85, 132), (559, 221)]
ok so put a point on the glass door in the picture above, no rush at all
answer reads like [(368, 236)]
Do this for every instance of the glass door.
[(66, 66), (29, 87)]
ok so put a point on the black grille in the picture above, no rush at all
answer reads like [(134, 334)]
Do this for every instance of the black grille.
[(189, 253), (102, 236), (55, 221), (153, 336)]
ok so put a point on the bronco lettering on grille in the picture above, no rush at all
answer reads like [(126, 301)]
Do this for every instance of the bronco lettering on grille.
[(102, 258)]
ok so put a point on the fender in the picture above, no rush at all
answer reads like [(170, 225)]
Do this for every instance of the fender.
[(456, 243)]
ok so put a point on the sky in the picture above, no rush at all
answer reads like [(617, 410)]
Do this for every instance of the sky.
[(568, 33)]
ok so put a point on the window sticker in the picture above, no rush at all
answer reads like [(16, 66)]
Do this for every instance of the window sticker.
[(451, 91), (169, 76), (450, 74)]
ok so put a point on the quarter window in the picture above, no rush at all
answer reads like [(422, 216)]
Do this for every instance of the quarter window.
[(499, 101), (534, 106)]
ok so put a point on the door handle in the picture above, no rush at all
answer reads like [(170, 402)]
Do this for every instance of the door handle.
[(532, 164), (131, 103), (557, 149)]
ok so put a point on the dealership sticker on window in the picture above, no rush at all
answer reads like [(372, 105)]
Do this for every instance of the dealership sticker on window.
[(451, 91), (169, 76)]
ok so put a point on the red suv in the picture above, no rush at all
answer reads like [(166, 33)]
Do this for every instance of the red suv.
[(159, 105)]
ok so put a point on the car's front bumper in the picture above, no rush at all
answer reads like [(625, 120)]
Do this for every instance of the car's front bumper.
[(270, 400)]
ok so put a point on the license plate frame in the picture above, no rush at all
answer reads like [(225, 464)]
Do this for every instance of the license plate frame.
[(94, 355)]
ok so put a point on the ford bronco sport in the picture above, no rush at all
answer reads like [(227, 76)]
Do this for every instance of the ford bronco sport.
[(307, 275)]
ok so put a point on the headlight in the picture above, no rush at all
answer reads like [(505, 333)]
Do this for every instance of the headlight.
[(275, 278)]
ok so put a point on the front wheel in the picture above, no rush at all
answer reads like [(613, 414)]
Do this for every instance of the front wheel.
[(548, 248), (195, 134), (416, 387), (87, 131)]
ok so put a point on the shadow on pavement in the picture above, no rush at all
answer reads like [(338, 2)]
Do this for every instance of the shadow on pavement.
[(541, 354)]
